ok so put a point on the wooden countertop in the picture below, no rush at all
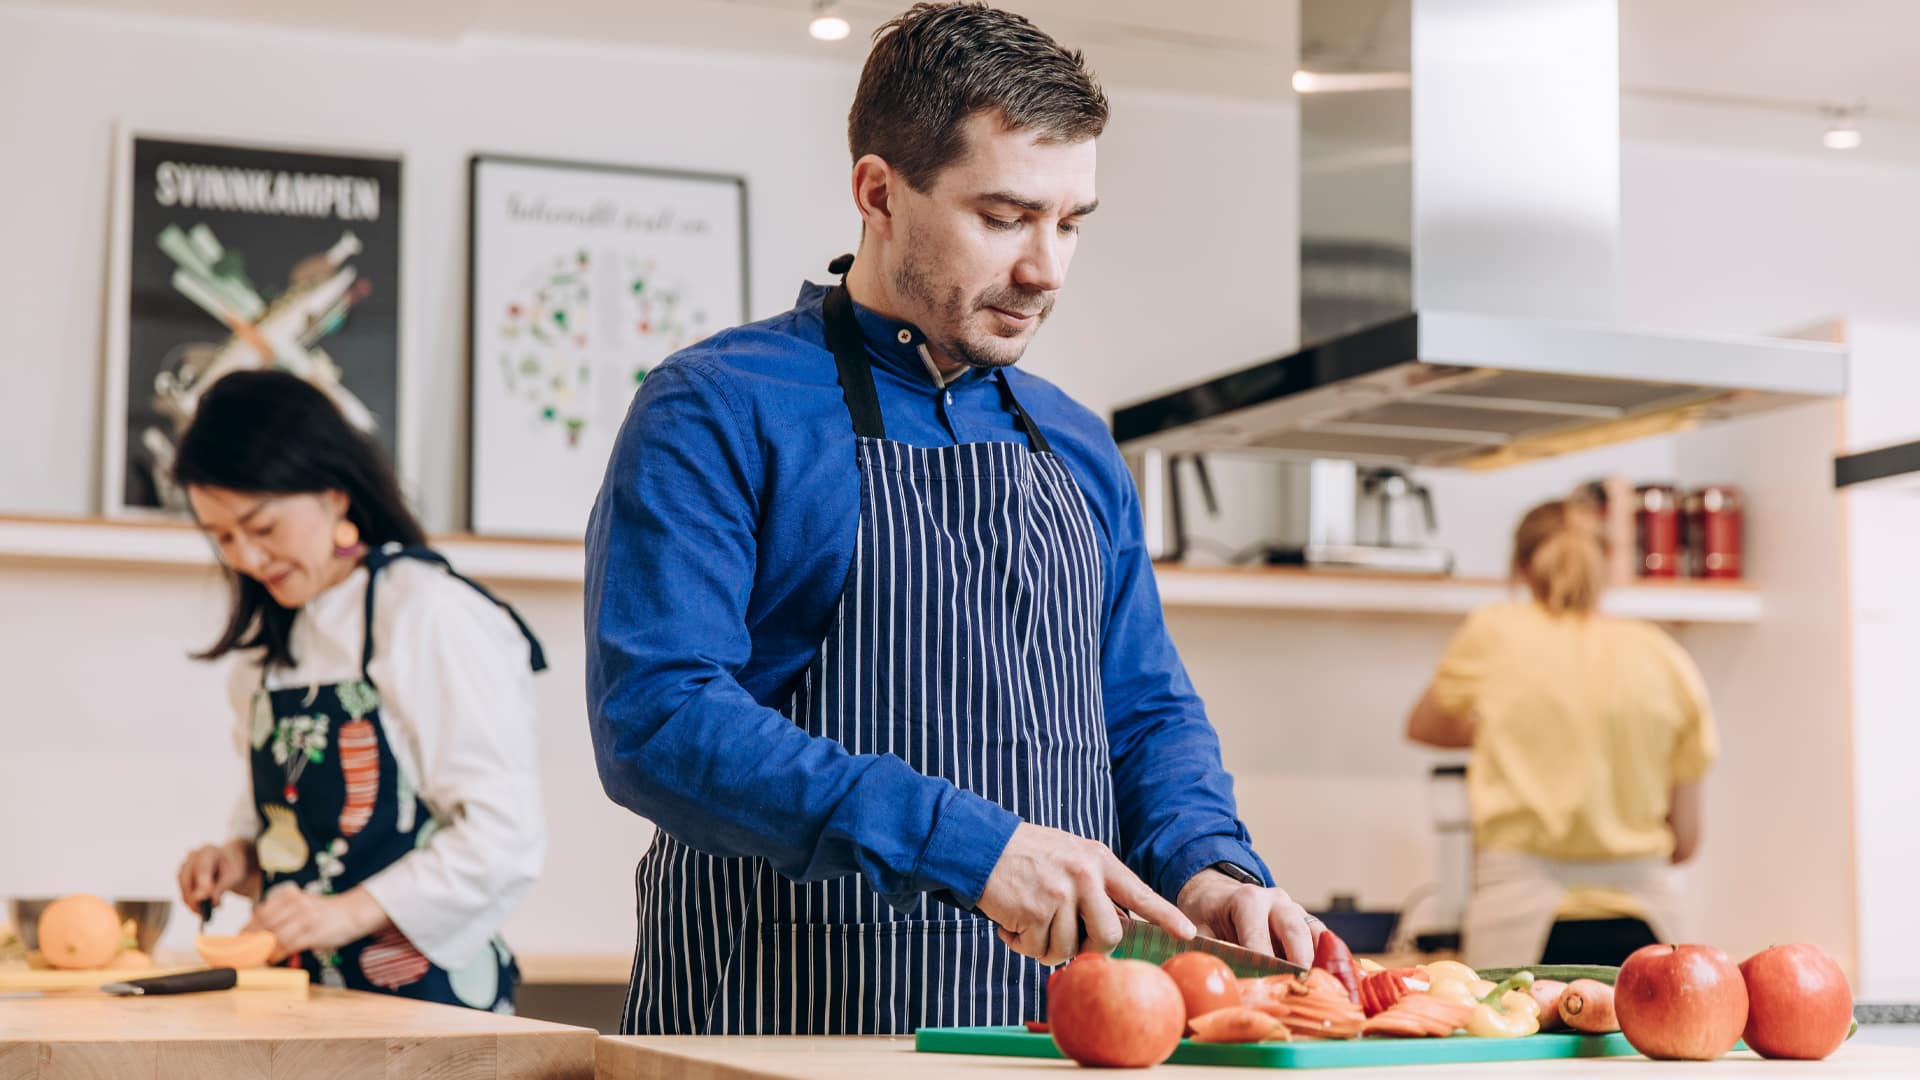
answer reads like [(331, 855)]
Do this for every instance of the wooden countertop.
[(831, 1058), (326, 1035)]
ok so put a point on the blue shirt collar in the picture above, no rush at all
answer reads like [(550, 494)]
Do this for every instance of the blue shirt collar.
[(892, 343)]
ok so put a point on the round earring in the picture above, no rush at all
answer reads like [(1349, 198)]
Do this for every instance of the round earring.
[(346, 539)]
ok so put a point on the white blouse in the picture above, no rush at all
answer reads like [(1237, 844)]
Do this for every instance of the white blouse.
[(457, 707)]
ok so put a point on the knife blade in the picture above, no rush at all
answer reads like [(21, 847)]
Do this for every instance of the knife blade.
[(185, 982), (1142, 940)]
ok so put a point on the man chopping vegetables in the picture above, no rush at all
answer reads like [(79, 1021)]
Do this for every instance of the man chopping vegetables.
[(872, 633)]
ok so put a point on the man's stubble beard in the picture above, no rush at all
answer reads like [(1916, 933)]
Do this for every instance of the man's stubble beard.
[(952, 312)]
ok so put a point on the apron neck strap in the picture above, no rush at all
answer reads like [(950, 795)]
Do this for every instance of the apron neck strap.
[(378, 559), (850, 357)]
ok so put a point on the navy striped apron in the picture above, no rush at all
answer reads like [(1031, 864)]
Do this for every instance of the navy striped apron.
[(967, 643)]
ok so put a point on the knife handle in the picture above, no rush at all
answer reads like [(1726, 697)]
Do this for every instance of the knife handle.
[(186, 982)]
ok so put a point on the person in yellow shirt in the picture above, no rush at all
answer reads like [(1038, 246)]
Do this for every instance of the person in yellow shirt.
[(1589, 737)]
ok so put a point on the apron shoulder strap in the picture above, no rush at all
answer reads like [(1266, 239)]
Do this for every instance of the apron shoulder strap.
[(1035, 438), (850, 357), (378, 559)]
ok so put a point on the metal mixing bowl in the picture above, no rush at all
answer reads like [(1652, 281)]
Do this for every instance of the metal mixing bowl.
[(149, 918)]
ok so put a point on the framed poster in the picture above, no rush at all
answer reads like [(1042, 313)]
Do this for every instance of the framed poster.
[(583, 279), (230, 256)]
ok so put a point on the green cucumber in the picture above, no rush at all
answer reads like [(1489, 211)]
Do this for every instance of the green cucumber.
[(1558, 972)]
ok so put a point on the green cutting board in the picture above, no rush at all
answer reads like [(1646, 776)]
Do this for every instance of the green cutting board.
[(1305, 1054)]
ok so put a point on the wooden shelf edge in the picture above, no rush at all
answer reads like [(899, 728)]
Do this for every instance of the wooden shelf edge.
[(1228, 589), (174, 545)]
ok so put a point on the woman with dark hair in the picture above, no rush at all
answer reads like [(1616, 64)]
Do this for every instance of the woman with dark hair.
[(384, 704), (1590, 736)]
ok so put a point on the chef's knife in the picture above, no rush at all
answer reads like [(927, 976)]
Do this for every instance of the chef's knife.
[(184, 982), (1142, 940)]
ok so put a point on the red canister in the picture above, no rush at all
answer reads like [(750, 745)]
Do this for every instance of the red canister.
[(1656, 521), (1714, 541)]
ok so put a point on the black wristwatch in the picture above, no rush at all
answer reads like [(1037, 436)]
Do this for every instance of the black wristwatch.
[(1237, 873)]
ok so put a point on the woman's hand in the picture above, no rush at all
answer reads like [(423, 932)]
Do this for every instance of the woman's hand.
[(302, 920), (212, 872)]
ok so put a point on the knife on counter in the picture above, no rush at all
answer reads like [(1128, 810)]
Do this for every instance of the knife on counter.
[(1142, 940), (184, 982)]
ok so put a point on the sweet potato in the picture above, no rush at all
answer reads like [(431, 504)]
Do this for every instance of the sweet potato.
[(1234, 1024), (1547, 993)]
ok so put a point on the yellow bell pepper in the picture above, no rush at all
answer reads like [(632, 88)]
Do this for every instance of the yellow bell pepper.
[(1507, 1011), (1451, 987), (1442, 968)]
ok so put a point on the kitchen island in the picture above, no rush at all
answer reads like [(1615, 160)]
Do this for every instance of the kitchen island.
[(241, 1035), (831, 1058)]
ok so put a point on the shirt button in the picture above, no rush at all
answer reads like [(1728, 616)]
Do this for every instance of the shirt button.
[(906, 337), (949, 397)]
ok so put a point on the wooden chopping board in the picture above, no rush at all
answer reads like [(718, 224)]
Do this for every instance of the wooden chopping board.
[(282, 979)]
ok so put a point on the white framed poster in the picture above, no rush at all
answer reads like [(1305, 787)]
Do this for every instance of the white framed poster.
[(583, 278), (231, 255)]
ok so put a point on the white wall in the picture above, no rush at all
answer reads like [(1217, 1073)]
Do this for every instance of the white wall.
[(109, 723), (1884, 630)]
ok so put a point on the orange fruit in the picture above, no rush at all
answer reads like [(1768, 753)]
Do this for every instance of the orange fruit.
[(248, 950), (79, 931)]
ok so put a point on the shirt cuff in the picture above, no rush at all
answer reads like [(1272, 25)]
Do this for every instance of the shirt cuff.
[(967, 838), (1202, 853)]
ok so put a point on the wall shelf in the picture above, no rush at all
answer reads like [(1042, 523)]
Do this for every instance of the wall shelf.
[(170, 544), (167, 544), (1283, 589)]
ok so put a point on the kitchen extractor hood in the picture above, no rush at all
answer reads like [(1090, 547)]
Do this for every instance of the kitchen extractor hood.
[(1511, 351)]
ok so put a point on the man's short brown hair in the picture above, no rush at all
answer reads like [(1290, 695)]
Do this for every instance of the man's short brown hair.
[(934, 65)]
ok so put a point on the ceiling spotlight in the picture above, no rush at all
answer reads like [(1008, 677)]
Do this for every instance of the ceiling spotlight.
[(827, 25), (1843, 131)]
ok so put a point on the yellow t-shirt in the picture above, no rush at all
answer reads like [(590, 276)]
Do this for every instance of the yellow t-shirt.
[(1584, 725)]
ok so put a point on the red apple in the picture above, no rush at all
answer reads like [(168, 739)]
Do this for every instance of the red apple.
[(1115, 1013), (1798, 1003), (1684, 1002), (1053, 978)]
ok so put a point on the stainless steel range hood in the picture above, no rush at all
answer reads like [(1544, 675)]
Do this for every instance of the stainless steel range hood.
[(1511, 351)]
